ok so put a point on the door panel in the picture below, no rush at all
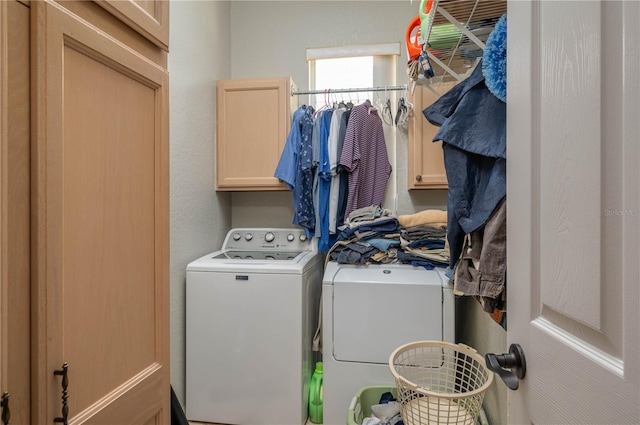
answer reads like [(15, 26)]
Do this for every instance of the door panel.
[(108, 242), (102, 225), (14, 199), (574, 210)]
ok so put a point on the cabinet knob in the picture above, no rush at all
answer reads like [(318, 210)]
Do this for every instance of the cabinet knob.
[(419, 178)]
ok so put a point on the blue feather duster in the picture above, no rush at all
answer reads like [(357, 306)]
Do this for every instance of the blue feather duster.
[(494, 60)]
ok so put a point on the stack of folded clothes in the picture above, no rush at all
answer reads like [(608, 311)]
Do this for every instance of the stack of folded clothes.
[(374, 235)]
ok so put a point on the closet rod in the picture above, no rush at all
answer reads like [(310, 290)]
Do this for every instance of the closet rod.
[(364, 89)]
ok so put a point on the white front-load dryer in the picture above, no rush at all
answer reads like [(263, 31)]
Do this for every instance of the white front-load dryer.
[(368, 312)]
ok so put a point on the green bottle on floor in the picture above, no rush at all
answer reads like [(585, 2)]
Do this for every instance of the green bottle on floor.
[(315, 395)]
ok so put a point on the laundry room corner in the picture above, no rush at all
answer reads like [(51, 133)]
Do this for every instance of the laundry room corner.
[(209, 43)]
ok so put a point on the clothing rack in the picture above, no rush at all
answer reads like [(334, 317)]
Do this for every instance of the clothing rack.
[(354, 90)]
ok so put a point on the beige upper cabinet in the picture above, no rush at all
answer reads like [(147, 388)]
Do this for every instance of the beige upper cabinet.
[(426, 161), (253, 119), (149, 17)]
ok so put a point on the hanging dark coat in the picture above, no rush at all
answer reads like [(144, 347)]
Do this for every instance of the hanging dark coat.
[(473, 131)]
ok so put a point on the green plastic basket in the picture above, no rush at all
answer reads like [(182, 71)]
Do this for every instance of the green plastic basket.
[(366, 397)]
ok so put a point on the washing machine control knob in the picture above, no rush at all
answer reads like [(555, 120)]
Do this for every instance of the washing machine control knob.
[(290, 237), (248, 236), (236, 236), (269, 237), (303, 237)]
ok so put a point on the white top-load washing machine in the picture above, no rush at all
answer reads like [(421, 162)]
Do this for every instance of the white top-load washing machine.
[(251, 312), (368, 312)]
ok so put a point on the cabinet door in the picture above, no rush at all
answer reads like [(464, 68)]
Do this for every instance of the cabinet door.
[(14, 214), (149, 17), (100, 203), (426, 162), (253, 120)]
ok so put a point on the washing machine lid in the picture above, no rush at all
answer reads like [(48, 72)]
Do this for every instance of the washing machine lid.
[(336, 273), (266, 262), (378, 308)]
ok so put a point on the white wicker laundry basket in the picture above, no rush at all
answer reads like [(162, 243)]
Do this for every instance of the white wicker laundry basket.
[(439, 383)]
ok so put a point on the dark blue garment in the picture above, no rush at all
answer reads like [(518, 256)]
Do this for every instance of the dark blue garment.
[(414, 260), (353, 253), (380, 227), (385, 398), (344, 174), (471, 118), (473, 131), (324, 175), (427, 243), (294, 168), (427, 265)]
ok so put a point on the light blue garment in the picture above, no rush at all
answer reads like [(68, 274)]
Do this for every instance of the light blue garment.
[(294, 168), (287, 166), (383, 244)]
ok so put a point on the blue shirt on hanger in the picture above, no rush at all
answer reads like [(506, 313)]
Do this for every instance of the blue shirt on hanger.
[(324, 177), (295, 168)]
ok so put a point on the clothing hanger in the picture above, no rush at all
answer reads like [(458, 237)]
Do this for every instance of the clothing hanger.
[(326, 104), (402, 109), (386, 115), (342, 103), (373, 107), (405, 111)]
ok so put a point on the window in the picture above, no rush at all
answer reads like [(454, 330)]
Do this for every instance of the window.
[(358, 67), (343, 73), (351, 67)]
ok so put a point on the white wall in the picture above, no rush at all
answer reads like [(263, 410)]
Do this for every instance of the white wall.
[(200, 217), (477, 329)]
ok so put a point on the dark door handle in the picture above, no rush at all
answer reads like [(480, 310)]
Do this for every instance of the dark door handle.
[(511, 366), (65, 394), (6, 413)]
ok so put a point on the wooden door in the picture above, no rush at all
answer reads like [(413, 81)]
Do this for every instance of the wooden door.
[(100, 172), (574, 210), (14, 209)]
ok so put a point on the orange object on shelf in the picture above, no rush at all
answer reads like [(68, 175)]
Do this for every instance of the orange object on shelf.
[(414, 38)]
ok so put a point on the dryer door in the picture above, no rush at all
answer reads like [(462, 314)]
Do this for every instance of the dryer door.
[(378, 308)]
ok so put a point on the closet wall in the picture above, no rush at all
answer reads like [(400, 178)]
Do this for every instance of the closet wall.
[(200, 216)]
